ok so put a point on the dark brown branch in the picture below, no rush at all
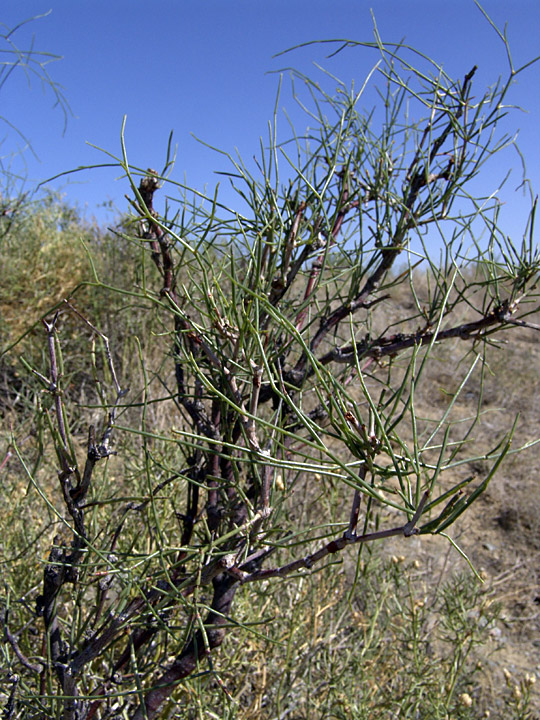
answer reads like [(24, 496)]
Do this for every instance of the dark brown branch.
[(397, 343), (334, 546), (194, 651), (418, 178), (9, 708), (54, 576), (12, 640), (355, 509), (62, 567), (343, 209), (184, 333), (282, 283)]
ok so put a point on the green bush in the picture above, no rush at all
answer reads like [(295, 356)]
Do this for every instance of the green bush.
[(238, 410)]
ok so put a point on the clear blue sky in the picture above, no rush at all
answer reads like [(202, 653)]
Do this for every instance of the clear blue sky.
[(200, 66)]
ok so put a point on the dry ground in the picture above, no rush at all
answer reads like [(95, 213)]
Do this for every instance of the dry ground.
[(501, 531)]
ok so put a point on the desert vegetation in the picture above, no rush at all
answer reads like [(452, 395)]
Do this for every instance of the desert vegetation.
[(252, 457)]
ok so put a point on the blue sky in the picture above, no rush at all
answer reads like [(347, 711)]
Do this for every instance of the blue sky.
[(201, 66)]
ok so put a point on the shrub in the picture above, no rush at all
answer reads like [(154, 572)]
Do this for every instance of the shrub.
[(268, 422)]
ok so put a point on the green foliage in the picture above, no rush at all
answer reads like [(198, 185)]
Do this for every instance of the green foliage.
[(240, 405), (392, 648)]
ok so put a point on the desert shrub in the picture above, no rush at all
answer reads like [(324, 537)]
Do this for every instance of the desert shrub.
[(254, 421)]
